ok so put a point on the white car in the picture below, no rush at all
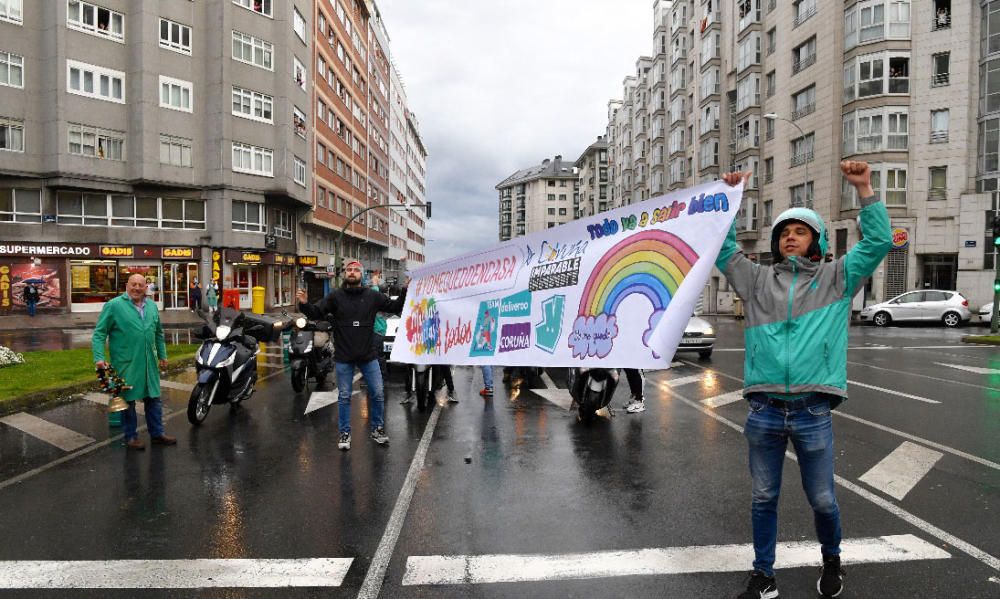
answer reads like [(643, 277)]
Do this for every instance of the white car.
[(391, 326), (986, 313), (934, 305), (699, 336)]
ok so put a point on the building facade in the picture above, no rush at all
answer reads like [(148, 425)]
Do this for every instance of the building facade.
[(788, 90), (171, 141), (593, 176), (537, 198)]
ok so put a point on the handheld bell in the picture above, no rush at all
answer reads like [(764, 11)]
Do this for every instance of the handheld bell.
[(117, 404)]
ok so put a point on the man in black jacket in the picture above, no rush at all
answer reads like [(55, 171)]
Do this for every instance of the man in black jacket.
[(351, 309)]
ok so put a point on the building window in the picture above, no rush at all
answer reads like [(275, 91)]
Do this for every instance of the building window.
[(801, 195), (748, 92), (942, 15), (768, 212), (938, 187), (871, 75), (253, 160), (895, 186), (76, 208), (262, 7), (939, 126), (11, 11), (804, 55), (248, 216), (20, 205), (282, 224), (940, 64), (95, 20), (552, 196), (252, 105), (175, 151), (174, 36), (989, 84), (95, 82), (299, 122), (749, 52), (299, 73), (252, 50), (562, 212), (990, 27), (11, 69), (175, 94), (299, 171), (989, 146), (552, 211), (94, 142), (562, 197), (772, 85), (768, 170), (11, 135), (803, 10), (804, 102), (298, 24), (772, 41)]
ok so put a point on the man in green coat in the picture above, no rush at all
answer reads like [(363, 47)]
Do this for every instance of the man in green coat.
[(131, 325)]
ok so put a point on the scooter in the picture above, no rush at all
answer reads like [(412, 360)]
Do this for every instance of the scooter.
[(226, 363), (310, 351), (591, 390)]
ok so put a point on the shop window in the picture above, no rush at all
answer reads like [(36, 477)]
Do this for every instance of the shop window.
[(20, 205), (93, 281)]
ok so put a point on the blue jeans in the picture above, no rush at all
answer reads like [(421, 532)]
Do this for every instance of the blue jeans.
[(154, 418), (31, 307), (376, 400), (487, 377), (810, 430)]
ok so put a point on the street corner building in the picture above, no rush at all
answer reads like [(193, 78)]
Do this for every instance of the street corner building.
[(194, 156)]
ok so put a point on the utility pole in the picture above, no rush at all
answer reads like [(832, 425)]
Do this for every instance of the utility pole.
[(340, 234)]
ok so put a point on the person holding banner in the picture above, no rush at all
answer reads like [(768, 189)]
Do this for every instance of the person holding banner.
[(352, 309), (797, 312)]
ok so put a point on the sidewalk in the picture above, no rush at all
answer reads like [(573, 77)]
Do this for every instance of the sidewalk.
[(87, 320)]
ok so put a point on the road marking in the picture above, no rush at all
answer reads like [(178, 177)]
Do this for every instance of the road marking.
[(104, 399), (926, 376), (43, 430), (321, 399), (176, 385), (480, 569), (684, 380), (548, 380), (942, 535), (372, 584), (676, 364), (892, 392), (882, 427), (972, 369), (66, 458), (560, 397), (724, 399), (174, 574), (963, 346), (902, 469)]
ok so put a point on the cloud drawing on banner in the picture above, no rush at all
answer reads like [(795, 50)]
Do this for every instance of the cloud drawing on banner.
[(593, 335), (652, 264)]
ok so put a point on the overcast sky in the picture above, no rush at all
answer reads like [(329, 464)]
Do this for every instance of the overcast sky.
[(500, 86)]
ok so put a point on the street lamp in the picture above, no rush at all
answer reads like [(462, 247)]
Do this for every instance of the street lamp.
[(805, 188), (340, 234)]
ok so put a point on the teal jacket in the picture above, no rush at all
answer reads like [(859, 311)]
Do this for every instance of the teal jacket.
[(797, 311), (380, 322), (135, 343)]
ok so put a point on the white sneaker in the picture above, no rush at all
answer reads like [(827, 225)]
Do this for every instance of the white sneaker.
[(345, 441), (636, 406)]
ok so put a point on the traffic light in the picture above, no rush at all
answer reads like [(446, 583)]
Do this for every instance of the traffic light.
[(428, 212), (996, 230), (996, 286)]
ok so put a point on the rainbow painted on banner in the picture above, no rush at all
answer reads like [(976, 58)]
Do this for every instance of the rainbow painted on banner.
[(653, 264)]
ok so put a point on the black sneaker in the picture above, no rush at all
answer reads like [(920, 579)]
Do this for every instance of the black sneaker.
[(379, 436), (451, 397), (760, 587), (345, 441), (831, 582)]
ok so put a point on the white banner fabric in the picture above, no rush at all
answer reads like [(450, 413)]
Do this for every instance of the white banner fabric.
[(612, 290)]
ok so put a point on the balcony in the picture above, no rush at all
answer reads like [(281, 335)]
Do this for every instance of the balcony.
[(804, 16), (803, 63), (678, 54), (747, 142), (709, 125), (801, 112), (801, 158)]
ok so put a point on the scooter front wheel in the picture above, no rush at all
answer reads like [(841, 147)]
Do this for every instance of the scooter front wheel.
[(199, 404), (299, 376), (589, 406)]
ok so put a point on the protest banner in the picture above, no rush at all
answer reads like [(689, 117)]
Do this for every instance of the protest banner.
[(612, 290)]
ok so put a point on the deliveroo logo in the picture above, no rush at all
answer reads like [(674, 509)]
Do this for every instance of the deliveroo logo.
[(548, 331)]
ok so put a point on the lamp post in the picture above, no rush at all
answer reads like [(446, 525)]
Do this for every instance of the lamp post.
[(340, 234), (805, 188)]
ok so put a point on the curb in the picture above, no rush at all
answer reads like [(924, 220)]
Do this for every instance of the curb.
[(68, 394), (981, 339)]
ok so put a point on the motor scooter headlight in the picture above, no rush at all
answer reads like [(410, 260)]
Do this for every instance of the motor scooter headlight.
[(300, 322), (222, 331)]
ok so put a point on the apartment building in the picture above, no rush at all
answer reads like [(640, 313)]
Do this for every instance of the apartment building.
[(167, 139), (537, 198), (592, 172), (788, 90), (418, 207)]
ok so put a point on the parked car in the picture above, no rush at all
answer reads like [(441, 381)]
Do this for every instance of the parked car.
[(933, 305), (986, 313), (699, 336), (391, 325)]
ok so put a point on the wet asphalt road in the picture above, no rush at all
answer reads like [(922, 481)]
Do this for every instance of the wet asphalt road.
[(266, 481)]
